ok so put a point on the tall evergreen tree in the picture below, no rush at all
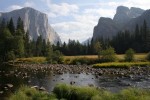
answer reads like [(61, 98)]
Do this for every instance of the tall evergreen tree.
[(2, 25), (5, 44), (27, 45), (19, 46), (11, 26), (146, 37), (39, 46), (20, 25), (43, 48)]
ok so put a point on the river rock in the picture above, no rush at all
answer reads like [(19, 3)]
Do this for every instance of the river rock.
[(42, 89), (9, 85), (1, 92), (35, 87)]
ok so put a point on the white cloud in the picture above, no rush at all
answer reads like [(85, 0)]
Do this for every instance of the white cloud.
[(26, 4), (100, 12), (62, 9), (14, 7), (29, 4), (79, 29), (144, 4)]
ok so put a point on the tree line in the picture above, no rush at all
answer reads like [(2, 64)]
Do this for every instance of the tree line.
[(139, 40), (16, 43)]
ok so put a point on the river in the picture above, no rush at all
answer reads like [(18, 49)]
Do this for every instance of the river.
[(47, 76)]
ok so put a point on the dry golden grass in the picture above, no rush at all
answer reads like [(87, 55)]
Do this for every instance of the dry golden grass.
[(32, 60), (81, 56), (120, 64), (138, 56)]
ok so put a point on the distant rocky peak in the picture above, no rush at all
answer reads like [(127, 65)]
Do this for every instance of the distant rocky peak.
[(124, 14), (135, 12), (130, 13), (104, 20), (122, 9), (124, 19)]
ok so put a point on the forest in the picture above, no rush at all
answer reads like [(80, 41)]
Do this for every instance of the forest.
[(16, 43)]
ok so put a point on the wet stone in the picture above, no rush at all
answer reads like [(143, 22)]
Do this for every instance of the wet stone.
[(42, 89), (9, 85)]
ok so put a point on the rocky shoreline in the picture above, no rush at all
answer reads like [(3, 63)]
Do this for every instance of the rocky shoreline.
[(77, 69)]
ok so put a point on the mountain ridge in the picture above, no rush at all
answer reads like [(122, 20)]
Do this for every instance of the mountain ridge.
[(120, 22)]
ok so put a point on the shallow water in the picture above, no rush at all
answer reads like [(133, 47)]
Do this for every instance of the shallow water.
[(48, 80)]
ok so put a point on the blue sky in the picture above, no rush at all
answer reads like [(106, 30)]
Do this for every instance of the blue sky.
[(73, 19)]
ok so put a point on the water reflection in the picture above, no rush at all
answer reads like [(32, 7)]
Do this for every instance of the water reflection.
[(48, 79)]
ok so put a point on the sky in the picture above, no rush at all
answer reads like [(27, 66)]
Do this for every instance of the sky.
[(73, 19)]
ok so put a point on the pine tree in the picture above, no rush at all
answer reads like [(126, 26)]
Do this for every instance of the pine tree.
[(43, 48), (20, 28), (97, 47), (137, 33), (146, 37), (5, 43), (27, 45), (49, 52), (39, 46), (11, 26), (19, 46), (3, 25)]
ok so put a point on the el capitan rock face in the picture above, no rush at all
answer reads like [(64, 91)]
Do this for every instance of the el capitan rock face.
[(34, 21), (124, 18)]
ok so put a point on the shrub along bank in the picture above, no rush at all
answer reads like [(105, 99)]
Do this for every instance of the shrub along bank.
[(121, 64), (70, 92)]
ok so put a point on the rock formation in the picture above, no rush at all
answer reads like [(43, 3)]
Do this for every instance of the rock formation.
[(124, 18), (35, 22)]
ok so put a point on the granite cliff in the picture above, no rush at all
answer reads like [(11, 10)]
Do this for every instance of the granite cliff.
[(35, 22)]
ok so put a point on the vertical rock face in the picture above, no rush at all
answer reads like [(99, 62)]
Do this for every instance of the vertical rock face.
[(34, 21), (139, 20), (124, 14), (135, 12), (107, 27)]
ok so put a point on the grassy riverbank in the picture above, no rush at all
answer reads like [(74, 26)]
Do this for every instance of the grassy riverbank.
[(121, 64), (31, 60), (83, 59), (69, 92), (138, 56)]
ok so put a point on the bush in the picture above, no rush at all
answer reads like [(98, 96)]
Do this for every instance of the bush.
[(134, 94), (10, 56), (83, 60), (55, 57), (120, 64), (148, 56), (129, 55), (27, 93), (108, 55), (70, 92)]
